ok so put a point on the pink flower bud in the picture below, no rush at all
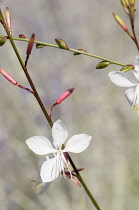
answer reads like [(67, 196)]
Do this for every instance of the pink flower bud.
[(64, 95), (60, 99), (8, 77), (13, 81)]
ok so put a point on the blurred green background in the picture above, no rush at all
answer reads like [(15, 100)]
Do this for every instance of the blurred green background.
[(96, 107)]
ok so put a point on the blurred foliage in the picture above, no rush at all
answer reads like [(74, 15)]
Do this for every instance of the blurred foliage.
[(96, 107)]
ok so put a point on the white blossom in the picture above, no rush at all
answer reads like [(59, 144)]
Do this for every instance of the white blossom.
[(51, 168), (123, 80)]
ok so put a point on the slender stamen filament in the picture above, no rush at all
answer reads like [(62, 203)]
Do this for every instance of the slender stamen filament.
[(61, 165)]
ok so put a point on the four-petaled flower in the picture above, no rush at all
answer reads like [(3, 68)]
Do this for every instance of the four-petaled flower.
[(51, 168), (123, 80)]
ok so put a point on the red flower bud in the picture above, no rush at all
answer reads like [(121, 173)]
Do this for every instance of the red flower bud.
[(77, 53), (22, 36), (64, 95), (30, 44), (29, 48)]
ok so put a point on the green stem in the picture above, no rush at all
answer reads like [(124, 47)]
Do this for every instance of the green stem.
[(134, 35), (25, 70), (43, 108), (70, 49), (84, 185)]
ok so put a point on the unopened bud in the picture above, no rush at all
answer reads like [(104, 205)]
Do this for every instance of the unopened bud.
[(60, 99), (2, 41), (39, 45), (102, 65), (30, 44), (125, 5), (29, 48), (131, 2), (13, 81), (8, 20), (62, 44), (21, 36), (127, 68), (77, 53), (120, 22), (131, 11), (64, 95), (8, 76), (1, 17)]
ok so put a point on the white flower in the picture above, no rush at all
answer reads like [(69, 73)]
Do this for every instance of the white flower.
[(51, 168), (123, 80)]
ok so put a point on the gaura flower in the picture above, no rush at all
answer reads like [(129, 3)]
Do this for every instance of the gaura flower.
[(51, 168), (123, 80)]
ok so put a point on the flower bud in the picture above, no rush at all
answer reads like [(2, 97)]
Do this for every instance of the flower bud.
[(64, 95), (2, 41), (60, 99), (125, 5), (62, 44), (77, 53), (8, 77), (30, 44), (102, 65), (39, 45), (8, 20), (13, 81), (127, 68), (131, 11), (131, 2), (120, 22), (21, 36)]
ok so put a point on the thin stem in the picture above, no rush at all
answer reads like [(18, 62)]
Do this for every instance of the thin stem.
[(84, 185), (42, 106), (70, 49), (134, 34), (25, 71)]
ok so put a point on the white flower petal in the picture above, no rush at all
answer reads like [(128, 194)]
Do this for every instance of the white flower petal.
[(136, 72), (136, 60), (40, 145), (49, 170), (136, 67), (77, 143), (42, 160), (121, 79), (129, 94), (59, 133)]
